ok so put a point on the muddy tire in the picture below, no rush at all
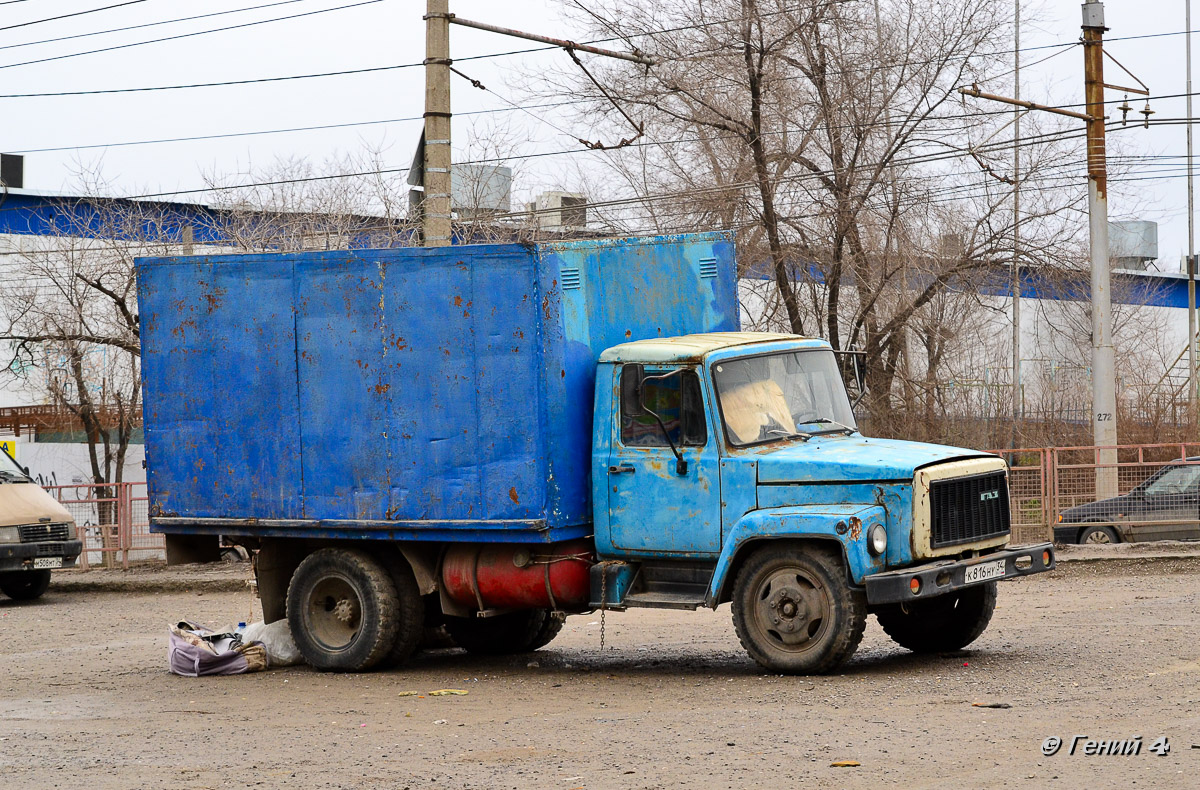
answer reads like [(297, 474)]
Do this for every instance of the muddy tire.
[(343, 610), (794, 611), (505, 634), (25, 585), (1099, 535), (410, 614), (940, 625)]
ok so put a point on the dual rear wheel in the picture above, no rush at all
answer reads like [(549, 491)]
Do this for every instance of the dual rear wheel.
[(348, 612)]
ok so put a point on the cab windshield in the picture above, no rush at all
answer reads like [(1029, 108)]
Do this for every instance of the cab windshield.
[(772, 397)]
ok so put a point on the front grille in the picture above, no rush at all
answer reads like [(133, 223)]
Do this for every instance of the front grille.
[(35, 533), (50, 550), (967, 509)]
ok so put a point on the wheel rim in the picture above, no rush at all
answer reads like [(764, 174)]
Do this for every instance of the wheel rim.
[(1097, 536), (334, 613), (792, 610)]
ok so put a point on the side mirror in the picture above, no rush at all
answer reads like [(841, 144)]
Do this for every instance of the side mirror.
[(632, 377)]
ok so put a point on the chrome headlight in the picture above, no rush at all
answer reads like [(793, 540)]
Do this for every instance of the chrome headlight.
[(10, 535), (877, 539)]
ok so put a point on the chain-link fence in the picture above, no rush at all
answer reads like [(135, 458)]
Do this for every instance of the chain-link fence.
[(1105, 495), (113, 523)]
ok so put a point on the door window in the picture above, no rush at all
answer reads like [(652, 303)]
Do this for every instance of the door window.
[(676, 399), (1176, 480)]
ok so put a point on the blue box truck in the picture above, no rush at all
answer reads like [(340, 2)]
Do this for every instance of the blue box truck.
[(488, 438)]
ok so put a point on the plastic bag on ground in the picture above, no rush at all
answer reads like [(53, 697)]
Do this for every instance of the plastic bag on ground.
[(276, 637), (193, 651)]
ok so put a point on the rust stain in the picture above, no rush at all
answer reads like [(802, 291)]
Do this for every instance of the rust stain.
[(458, 301), (855, 528), (381, 389), (841, 528), (512, 494), (546, 307), (628, 333)]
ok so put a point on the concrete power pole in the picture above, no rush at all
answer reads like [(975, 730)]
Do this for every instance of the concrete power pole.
[(1016, 257), (1104, 396), (1191, 258), (435, 206)]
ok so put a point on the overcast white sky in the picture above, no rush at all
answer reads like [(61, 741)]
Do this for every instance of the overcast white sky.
[(389, 33)]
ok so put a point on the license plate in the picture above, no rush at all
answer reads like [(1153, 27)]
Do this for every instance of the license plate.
[(984, 571), (47, 562)]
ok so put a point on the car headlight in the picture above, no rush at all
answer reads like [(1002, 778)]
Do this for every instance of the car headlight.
[(877, 539), (10, 535), (72, 532)]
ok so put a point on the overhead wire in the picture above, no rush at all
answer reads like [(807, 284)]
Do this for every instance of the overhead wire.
[(146, 24), (68, 16), (190, 35)]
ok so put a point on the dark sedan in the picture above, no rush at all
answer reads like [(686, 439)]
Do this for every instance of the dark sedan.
[(1166, 506)]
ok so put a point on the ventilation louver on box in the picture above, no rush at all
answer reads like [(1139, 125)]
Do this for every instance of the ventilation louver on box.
[(571, 279), (708, 267)]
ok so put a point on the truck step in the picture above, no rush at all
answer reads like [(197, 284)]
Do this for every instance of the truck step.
[(664, 600)]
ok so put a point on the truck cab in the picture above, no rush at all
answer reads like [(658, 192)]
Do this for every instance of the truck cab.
[(728, 467), (37, 534)]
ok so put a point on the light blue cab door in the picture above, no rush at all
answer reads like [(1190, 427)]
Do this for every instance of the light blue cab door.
[(652, 508)]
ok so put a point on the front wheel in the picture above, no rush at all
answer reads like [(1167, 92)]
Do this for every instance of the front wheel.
[(794, 611), (943, 624), (1098, 535), (25, 585)]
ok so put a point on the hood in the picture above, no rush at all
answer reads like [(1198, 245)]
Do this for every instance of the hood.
[(836, 458), (27, 503)]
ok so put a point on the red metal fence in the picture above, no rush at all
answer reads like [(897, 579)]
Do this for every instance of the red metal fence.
[(1043, 483), (112, 521), (1160, 485)]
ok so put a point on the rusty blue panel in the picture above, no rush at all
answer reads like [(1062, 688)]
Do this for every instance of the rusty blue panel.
[(341, 390), (218, 344), (602, 293), (407, 385), (463, 363)]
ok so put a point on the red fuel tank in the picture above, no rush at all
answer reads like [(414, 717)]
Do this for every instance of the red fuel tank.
[(506, 576)]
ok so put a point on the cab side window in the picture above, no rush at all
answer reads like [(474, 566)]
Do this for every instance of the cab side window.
[(676, 399)]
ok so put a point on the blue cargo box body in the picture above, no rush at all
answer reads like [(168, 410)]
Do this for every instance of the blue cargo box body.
[(429, 394)]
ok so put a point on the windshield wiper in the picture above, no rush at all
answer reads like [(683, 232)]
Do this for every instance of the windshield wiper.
[(791, 434), (838, 427)]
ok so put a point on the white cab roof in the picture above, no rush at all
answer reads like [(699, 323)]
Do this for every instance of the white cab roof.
[(688, 348)]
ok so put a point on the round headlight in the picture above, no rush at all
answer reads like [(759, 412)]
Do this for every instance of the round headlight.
[(877, 539)]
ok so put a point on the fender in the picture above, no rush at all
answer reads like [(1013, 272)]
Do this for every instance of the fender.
[(845, 524)]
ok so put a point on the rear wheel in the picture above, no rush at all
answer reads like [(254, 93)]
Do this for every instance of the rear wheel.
[(794, 612), (1098, 535), (943, 624), (343, 610), (516, 632), (25, 585)]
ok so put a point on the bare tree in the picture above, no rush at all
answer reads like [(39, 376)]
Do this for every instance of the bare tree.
[(832, 136), (71, 319)]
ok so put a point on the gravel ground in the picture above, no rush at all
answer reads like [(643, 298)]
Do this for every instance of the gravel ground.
[(1106, 649)]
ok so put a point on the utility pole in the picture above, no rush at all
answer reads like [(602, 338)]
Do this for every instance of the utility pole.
[(1104, 396), (1193, 396), (1016, 257), (436, 204), (435, 223)]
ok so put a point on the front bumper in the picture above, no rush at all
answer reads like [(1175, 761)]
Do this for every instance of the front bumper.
[(20, 556), (939, 578), (1067, 533)]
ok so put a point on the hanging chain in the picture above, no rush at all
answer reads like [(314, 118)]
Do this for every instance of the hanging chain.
[(603, 600)]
